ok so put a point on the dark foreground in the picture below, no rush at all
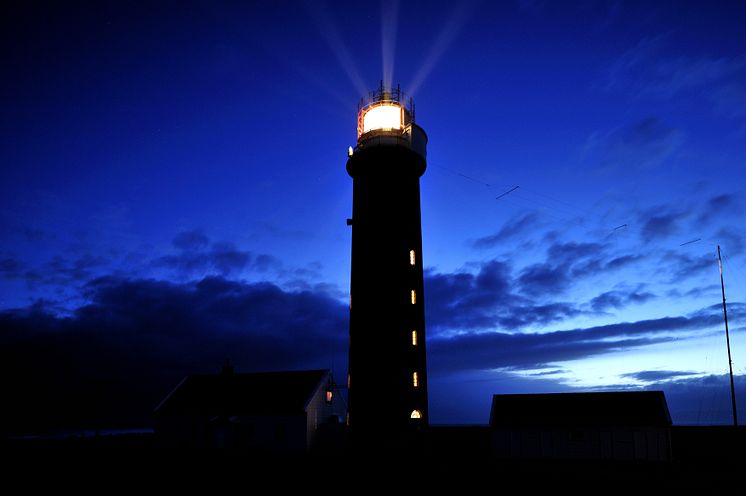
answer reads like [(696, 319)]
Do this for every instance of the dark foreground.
[(702, 458)]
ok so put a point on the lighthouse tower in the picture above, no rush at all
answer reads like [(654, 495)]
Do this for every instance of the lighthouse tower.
[(387, 374)]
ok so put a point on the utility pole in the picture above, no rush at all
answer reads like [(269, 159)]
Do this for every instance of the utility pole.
[(727, 341)]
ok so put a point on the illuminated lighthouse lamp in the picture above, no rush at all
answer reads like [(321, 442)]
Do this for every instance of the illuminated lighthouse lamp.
[(384, 112), (385, 116)]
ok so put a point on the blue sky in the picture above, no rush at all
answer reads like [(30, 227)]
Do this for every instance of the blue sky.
[(174, 192)]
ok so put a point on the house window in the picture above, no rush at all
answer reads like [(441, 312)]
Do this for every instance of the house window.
[(413, 297), (411, 257), (414, 338), (415, 380), (416, 414)]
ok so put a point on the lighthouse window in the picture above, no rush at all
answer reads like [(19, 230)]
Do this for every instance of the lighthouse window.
[(413, 297), (416, 414), (414, 338), (415, 380), (411, 257)]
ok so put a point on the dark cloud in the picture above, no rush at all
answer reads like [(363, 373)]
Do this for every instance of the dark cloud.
[(694, 400), (10, 268), (696, 292), (79, 269), (485, 300), (112, 360), (543, 278), (548, 372), (619, 299), (198, 256), (572, 252), (463, 300), (658, 224), (717, 205), (564, 263), (623, 261), (731, 241), (512, 228), (702, 400), (220, 258), (658, 375), (683, 266), (730, 98), (191, 240), (649, 69), (499, 350), (643, 144)]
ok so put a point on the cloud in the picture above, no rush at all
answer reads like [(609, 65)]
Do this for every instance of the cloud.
[(500, 350), (701, 400), (683, 266), (190, 240), (658, 375), (112, 360), (731, 241), (462, 301), (571, 252), (543, 278), (718, 205), (730, 98), (657, 223), (619, 299), (511, 229), (10, 268), (197, 256), (644, 144), (648, 70), (623, 261)]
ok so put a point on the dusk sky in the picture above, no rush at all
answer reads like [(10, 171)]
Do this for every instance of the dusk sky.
[(174, 193)]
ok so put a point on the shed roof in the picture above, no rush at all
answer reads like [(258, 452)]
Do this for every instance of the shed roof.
[(264, 393)]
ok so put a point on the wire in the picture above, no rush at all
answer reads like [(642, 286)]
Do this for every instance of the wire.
[(507, 192)]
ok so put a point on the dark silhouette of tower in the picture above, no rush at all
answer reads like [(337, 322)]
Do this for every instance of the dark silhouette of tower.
[(388, 377)]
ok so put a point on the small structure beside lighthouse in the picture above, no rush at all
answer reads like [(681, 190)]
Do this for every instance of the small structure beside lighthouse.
[(387, 370)]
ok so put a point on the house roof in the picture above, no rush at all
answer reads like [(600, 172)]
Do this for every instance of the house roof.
[(617, 409), (264, 393)]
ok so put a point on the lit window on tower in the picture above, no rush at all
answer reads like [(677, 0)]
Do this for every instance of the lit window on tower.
[(329, 396), (416, 414), (411, 257), (415, 380), (413, 297), (414, 338)]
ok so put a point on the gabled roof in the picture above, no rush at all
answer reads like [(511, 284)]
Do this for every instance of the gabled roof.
[(264, 393), (613, 409)]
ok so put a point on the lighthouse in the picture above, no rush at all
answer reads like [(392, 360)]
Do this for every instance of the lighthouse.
[(387, 371)]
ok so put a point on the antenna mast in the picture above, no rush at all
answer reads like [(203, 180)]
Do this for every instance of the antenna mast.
[(727, 341)]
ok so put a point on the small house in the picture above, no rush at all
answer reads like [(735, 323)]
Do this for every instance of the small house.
[(260, 413)]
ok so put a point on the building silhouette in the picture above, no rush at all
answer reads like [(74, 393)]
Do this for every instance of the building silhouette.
[(619, 426), (277, 413), (387, 371)]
